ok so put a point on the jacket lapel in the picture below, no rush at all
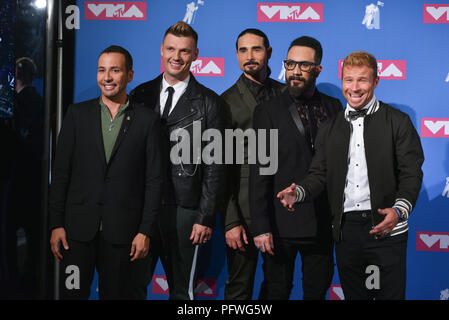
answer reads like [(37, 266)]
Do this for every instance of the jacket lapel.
[(97, 132), (156, 94), (246, 95), (128, 118), (181, 109), (294, 116), (339, 149), (296, 119)]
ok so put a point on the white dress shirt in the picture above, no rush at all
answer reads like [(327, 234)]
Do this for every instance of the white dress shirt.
[(357, 191), (179, 87)]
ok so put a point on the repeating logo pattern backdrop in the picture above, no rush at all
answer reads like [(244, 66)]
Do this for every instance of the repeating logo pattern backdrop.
[(409, 39)]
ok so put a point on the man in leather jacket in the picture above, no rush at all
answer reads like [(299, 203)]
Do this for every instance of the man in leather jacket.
[(193, 187)]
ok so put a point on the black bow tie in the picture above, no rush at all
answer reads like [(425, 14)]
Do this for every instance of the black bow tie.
[(353, 115)]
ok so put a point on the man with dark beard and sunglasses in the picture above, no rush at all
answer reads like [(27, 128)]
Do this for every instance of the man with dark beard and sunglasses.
[(254, 86), (298, 112)]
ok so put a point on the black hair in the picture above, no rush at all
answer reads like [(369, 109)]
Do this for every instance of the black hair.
[(256, 32), (26, 69), (310, 42), (118, 49)]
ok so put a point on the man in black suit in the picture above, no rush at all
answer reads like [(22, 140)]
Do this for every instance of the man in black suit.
[(253, 87), (106, 186), (369, 157), (296, 115), (192, 191), (23, 201)]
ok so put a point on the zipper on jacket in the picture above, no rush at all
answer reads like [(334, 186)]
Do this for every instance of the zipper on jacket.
[(184, 117)]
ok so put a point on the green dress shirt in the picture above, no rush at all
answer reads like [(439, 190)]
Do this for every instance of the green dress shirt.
[(111, 127)]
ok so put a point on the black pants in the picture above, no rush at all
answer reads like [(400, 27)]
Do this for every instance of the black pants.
[(116, 273), (242, 267), (172, 244), (370, 268), (182, 255), (317, 268)]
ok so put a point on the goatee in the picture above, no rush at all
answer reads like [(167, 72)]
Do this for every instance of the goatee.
[(297, 90)]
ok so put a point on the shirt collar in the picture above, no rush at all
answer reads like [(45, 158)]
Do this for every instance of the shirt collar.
[(121, 110), (179, 86), (372, 106), (302, 99), (250, 82)]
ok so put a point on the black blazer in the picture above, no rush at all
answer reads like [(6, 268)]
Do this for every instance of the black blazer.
[(241, 104), (124, 194), (394, 157), (294, 158)]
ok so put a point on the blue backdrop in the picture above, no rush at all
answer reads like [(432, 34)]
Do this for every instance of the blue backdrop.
[(409, 39)]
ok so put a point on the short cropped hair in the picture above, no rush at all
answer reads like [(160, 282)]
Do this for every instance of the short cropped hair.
[(182, 29), (26, 70), (257, 32), (310, 42), (361, 58), (118, 49)]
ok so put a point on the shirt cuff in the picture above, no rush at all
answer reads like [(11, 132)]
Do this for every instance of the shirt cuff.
[(300, 194), (404, 206)]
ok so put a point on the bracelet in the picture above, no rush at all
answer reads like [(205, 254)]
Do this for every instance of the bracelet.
[(399, 213)]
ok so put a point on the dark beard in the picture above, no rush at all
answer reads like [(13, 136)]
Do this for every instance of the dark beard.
[(297, 91), (255, 73)]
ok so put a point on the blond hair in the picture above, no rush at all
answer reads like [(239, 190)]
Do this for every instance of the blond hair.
[(182, 29), (361, 58)]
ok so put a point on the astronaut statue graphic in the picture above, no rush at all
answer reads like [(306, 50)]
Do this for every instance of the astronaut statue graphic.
[(372, 16), (191, 9), (446, 189)]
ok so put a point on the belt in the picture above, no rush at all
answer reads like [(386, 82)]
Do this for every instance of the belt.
[(358, 214)]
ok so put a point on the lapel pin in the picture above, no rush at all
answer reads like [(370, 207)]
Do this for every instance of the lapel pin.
[(128, 118)]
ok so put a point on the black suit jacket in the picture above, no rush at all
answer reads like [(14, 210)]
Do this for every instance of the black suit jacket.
[(241, 104), (294, 158), (124, 193)]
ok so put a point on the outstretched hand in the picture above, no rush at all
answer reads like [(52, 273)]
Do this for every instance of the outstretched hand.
[(390, 221), (288, 197)]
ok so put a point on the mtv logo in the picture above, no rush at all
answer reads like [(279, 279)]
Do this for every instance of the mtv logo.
[(386, 69), (160, 285), (289, 12), (432, 241), (391, 69), (436, 13), (206, 287), (206, 67), (336, 292), (115, 10), (435, 127)]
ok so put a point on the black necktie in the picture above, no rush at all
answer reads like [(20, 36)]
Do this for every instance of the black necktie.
[(353, 115), (168, 103)]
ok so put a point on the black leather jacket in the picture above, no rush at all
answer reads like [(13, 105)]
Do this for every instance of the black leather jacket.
[(194, 185)]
